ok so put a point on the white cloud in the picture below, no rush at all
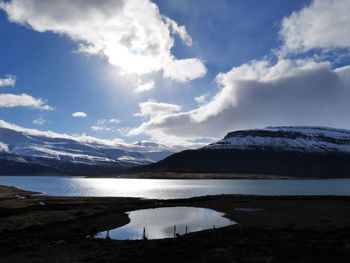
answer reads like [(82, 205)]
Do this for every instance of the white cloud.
[(259, 94), (108, 125), (8, 80), (96, 128), (131, 35), (39, 121), (22, 100), (124, 131), (112, 120), (185, 69), (155, 109), (179, 30), (202, 99), (145, 86), (4, 147), (323, 24), (79, 114)]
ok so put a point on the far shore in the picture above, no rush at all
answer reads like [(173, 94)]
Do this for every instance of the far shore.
[(188, 175), (185, 175)]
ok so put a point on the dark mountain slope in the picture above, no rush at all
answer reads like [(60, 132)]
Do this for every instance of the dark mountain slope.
[(290, 151)]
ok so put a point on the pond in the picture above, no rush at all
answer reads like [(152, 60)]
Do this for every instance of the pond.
[(167, 222)]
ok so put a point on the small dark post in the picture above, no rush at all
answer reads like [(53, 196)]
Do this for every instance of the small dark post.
[(213, 226), (107, 235), (144, 234), (174, 230), (186, 230)]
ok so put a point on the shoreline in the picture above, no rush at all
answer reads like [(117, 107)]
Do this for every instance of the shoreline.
[(189, 176), (192, 176), (32, 232)]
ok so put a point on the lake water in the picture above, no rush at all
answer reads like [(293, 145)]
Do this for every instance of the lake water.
[(159, 223), (171, 189)]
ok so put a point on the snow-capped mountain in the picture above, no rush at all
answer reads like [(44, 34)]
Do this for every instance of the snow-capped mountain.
[(50, 152), (302, 138), (292, 151)]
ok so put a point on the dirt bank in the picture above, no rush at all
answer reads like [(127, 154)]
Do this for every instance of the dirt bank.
[(37, 228)]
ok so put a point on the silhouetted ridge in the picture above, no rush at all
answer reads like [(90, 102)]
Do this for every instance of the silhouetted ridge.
[(290, 151)]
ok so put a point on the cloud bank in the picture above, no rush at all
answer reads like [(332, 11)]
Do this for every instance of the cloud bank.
[(257, 94), (131, 35)]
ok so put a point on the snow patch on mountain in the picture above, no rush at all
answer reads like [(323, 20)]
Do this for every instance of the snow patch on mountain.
[(4, 147)]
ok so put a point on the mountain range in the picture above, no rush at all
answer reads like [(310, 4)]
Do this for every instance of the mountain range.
[(287, 151), (32, 152)]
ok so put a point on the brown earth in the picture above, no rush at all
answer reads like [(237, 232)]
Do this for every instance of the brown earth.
[(38, 228)]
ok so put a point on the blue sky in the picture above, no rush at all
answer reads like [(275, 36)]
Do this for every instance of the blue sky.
[(46, 62)]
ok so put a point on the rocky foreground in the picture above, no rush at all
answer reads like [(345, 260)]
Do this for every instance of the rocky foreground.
[(37, 228)]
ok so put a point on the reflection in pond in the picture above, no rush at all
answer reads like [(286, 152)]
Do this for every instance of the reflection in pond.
[(159, 223)]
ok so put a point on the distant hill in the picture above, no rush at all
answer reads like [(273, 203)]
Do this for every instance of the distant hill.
[(289, 151), (35, 152)]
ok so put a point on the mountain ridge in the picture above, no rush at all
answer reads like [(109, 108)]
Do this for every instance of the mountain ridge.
[(295, 151), (32, 152)]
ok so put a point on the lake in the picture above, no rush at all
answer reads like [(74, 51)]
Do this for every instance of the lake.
[(172, 189), (163, 222)]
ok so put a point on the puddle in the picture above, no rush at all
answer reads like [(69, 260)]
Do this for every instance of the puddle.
[(159, 223)]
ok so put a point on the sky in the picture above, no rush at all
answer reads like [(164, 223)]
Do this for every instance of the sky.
[(176, 72)]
